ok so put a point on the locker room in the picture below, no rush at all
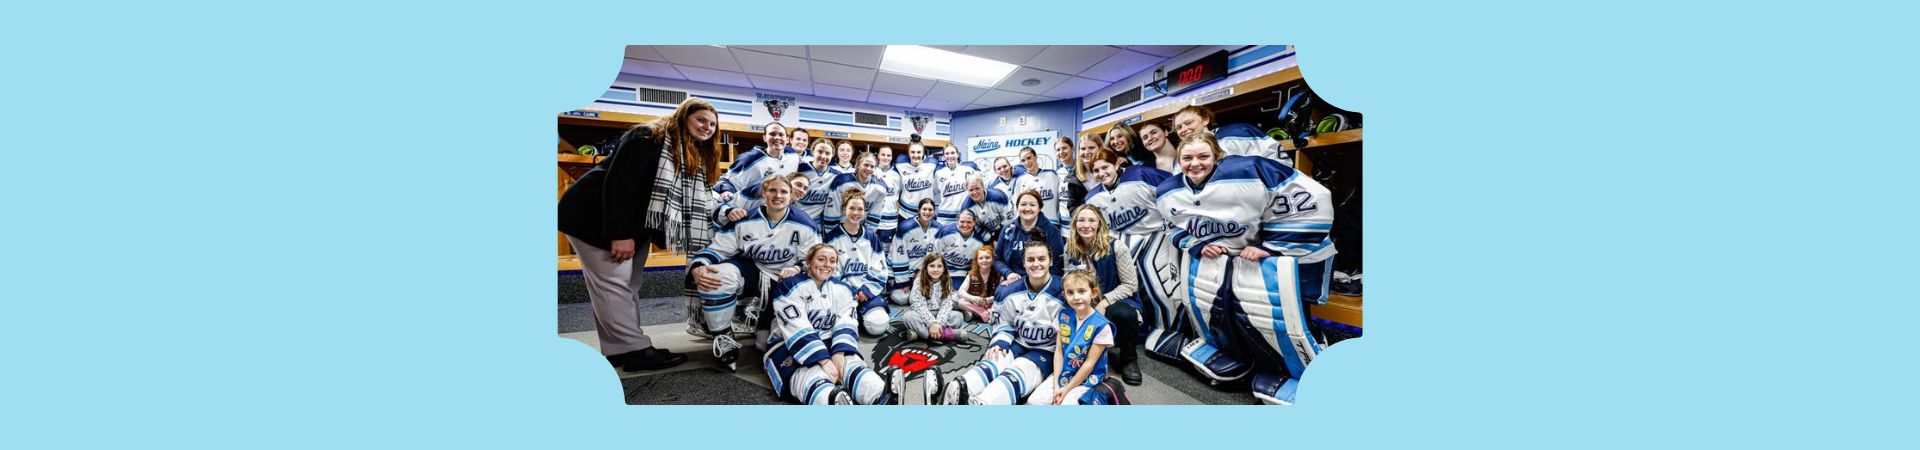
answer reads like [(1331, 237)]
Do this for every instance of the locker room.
[(960, 225)]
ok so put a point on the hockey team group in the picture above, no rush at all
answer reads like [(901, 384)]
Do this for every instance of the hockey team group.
[(1202, 245)]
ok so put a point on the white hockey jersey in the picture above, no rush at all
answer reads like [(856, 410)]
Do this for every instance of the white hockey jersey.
[(888, 212), (913, 242), (1024, 317), (1245, 140), (876, 194), (1004, 187), (989, 214), (957, 249), (814, 319), (863, 263), (1130, 206), (742, 179), (819, 195), (1045, 181), (952, 188), (916, 183), (771, 246), (1250, 201)]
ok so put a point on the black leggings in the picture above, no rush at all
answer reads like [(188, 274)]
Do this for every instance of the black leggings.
[(1126, 332)]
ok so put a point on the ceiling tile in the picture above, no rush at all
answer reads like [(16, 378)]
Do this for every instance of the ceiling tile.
[(951, 48), (955, 92), (842, 75), (781, 84), (1160, 50), (650, 68), (1011, 54), (1047, 80), (1076, 87), (940, 105), (831, 91), (1069, 58), (771, 65), (699, 56), (705, 75), (1122, 65), (867, 56), (645, 52), (789, 50), (904, 101), (998, 97), (901, 84)]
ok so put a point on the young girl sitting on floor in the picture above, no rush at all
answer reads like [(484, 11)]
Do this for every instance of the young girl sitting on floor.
[(930, 312)]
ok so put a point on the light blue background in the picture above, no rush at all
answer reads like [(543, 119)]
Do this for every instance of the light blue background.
[(328, 225)]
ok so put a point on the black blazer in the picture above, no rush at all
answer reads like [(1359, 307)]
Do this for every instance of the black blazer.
[(609, 202)]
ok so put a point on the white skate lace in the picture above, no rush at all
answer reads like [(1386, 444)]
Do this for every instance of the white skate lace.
[(724, 344)]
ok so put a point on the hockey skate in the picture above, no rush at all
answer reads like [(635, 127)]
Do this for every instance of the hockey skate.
[(1217, 366), (955, 393), (1274, 389), (896, 386), (727, 351), (839, 397), (930, 387)]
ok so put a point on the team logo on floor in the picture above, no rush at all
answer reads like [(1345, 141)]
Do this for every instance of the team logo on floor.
[(916, 357)]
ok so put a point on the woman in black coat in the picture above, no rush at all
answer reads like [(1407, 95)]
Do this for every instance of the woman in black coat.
[(606, 215)]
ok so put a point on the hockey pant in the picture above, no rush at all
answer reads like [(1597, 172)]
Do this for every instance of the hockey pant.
[(1007, 379), (1162, 294), (874, 315), (1253, 319), (1077, 395), (809, 384), (717, 306), (919, 323)]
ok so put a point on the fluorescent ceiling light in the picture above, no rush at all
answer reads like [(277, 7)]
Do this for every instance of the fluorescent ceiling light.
[(929, 62)]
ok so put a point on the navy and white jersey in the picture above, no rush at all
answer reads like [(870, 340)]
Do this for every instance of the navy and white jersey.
[(1067, 178), (819, 195), (771, 246), (814, 319), (863, 263), (876, 194), (1026, 317), (957, 249), (990, 214), (916, 183), (913, 242), (1250, 201), (747, 172), (1047, 182), (888, 211), (789, 162), (953, 189), (890, 176), (1245, 140), (1004, 187), (840, 169), (1130, 206)]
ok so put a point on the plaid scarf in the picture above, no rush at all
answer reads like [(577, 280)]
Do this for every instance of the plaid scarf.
[(679, 203)]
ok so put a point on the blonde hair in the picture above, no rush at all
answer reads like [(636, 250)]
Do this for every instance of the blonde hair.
[(1102, 243), (816, 248), (1206, 137)]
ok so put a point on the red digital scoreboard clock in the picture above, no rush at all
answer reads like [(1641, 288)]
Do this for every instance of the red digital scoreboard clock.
[(1201, 71)]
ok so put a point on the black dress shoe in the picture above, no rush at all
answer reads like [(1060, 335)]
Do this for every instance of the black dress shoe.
[(1130, 373), (621, 360), (652, 359)]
